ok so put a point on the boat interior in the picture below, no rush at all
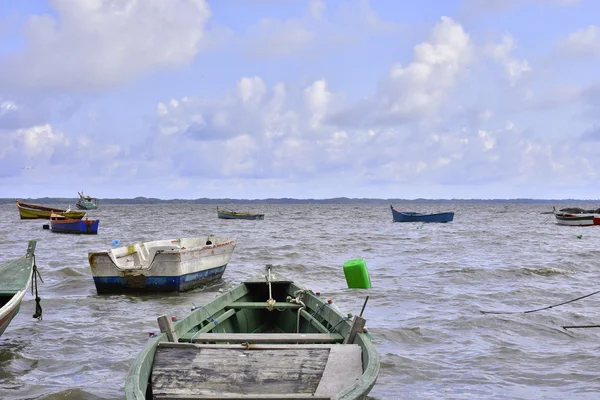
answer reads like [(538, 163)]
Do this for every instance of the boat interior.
[(5, 298), (259, 341), (140, 255)]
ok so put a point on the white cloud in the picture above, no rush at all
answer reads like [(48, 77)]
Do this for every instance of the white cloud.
[(584, 43), (421, 87), (251, 89), (317, 99), (95, 44), (501, 53)]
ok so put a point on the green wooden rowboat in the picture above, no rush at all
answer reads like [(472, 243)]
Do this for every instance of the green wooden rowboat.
[(15, 277), (267, 338)]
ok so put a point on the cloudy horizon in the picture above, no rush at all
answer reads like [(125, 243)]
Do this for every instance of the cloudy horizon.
[(302, 99)]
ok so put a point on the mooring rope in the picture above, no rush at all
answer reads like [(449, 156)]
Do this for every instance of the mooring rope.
[(271, 301), (580, 326), (540, 309), (38, 306)]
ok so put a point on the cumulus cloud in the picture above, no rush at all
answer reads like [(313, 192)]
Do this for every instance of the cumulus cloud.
[(46, 152), (317, 98), (422, 86), (501, 53), (583, 43), (270, 139), (92, 45)]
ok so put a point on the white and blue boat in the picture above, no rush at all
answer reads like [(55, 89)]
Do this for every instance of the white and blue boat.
[(411, 216), (172, 265)]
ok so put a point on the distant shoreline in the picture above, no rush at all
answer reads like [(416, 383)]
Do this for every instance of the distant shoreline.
[(337, 200)]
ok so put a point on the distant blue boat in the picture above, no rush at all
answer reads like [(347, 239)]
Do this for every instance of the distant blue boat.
[(61, 224), (410, 216)]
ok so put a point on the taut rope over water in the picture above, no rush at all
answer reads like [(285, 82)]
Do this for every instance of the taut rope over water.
[(539, 309)]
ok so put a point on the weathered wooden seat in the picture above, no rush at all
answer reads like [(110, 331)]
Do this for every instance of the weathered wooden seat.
[(268, 337), (190, 371)]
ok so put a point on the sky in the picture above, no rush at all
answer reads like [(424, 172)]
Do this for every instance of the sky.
[(256, 99)]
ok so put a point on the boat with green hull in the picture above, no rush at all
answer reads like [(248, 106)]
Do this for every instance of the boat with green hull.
[(224, 213), (267, 338), (15, 278), (86, 202)]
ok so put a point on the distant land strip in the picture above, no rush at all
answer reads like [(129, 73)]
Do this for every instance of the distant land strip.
[(336, 200)]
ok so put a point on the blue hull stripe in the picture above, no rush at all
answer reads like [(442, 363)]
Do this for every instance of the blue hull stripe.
[(141, 283)]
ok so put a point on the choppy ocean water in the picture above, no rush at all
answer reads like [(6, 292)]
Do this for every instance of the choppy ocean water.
[(430, 283)]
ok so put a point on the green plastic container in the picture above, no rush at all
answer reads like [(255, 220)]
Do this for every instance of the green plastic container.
[(357, 275)]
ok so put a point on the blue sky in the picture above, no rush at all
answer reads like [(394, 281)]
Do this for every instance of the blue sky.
[(304, 99)]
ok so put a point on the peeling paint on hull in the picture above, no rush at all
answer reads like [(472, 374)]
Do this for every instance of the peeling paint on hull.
[(143, 283)]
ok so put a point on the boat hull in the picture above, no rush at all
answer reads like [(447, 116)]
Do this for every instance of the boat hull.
[(400, 216), (161, 266), (83, 205), (225, 214), (78, 226), (144, 283), (15, 278), (36, 211), (577, 220)]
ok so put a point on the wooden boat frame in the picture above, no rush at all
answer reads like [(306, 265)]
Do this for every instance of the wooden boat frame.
[(410, 216), (38, 211), (170, 265), (58, 222), (224, 213), (196, 332), (582, 218), (86, 202)]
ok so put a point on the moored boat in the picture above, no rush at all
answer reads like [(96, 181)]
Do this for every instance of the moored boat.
[(62, 224), (38, 211), (161, 265), (86, 202), (15, 278), (228, 214), (577, 216), (411, 216), (267, 338)]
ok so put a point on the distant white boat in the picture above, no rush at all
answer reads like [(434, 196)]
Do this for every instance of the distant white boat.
[(576, 217), (161, 265)]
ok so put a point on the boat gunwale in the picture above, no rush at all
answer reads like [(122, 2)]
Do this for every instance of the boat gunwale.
[(18, 295), (147, 267)]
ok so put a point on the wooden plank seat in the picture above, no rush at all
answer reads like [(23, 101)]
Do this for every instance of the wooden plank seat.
[(268, 337), (189, 371), (239, 305)]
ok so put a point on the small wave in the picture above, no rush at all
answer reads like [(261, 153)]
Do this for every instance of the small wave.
[(70, 271), (461, 271), (548, 271), (71, 394)]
